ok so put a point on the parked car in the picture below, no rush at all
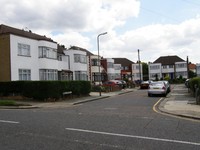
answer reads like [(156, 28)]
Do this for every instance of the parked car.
[(157, 88), (110, 83), (168, 85), (144, 85)]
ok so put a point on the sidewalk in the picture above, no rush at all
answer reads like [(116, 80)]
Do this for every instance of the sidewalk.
[(179, 102), (67, 103)]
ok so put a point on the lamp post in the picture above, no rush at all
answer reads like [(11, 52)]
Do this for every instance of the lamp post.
[(139, 64), (99, 59)]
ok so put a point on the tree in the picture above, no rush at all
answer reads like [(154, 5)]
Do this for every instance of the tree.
[(145, 70), (191, 74)]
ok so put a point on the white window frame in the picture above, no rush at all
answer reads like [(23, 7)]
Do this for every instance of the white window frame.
[(78, 58), (24, 74), (47, 52), (48, 74), (24, 49), (81, 75)]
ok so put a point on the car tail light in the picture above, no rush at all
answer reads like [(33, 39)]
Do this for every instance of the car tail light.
[(163, 88)]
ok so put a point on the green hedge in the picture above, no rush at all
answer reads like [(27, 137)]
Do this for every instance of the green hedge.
[(14, 87), (44, 89), (194, 82)]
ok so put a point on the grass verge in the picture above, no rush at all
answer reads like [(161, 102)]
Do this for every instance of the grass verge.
[(11, 103)]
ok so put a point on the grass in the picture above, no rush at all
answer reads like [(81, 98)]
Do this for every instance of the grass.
[(7, 103), (11, 103)]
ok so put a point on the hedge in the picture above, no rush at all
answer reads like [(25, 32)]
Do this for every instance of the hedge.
[(194, 82), (44, 89)]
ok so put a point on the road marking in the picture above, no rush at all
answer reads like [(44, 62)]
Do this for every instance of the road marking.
[(6, 121), (154, 106), (171, 115), (134, 136)]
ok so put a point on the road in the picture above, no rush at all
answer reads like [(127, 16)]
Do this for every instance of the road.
[(124, 122)]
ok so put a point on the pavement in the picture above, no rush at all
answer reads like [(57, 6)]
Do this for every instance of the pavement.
[(178, 102)]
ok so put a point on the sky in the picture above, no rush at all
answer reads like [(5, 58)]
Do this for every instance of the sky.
[(155, 27)]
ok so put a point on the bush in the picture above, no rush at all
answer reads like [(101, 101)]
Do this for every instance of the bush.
[(194, 83), (14, 87), (42, 90)]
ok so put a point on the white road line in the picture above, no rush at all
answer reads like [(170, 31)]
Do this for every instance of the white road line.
[(6, 121), (134, 136)]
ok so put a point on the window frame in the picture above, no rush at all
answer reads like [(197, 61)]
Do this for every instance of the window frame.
[(24, 50)]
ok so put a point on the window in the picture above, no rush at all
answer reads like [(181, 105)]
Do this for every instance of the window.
[(48, 74), (164, 67), (59, 57), (117, 67), (46, 52), (95, 62), (81, 75), (171, 66), (24, 49), (24, 74), (110, 65), (181, 65), (65, 75), (183, 73), (126, 68), (198, 67), (153, 75), (155, 67), (80, 58)]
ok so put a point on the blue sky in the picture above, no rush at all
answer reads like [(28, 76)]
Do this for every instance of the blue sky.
[(156, 27)]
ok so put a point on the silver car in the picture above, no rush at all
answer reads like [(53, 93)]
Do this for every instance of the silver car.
[(157, 88), (168, 85)]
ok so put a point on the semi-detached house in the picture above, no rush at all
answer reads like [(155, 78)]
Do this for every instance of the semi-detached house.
[(171, 66), (28, 56)]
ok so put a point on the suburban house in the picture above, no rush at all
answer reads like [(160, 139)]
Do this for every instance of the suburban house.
[(171, 66), (25, 55), (108, 65), (28, 56), (198, 70), (78, 62), (129, 69), (137, 73), (192, 67)]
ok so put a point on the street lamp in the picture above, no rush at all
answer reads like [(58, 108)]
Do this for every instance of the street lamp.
[(99, 59), (139, 64)]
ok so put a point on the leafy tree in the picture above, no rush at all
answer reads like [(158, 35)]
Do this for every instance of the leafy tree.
[(192, 74), (145, 70)]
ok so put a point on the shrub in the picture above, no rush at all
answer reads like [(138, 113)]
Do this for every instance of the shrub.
[(194, 83), (44, 89), (14, 87)]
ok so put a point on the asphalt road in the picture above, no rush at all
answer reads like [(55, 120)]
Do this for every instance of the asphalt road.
[(125, 122)]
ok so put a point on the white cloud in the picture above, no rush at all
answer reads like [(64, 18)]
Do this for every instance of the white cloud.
[(71, 39), (78, 22), (160, 40)]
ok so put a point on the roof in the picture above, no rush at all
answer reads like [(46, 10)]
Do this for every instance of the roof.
[(122, 61), (192, 66), (168, 60), (21, 32), (81, 49)]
